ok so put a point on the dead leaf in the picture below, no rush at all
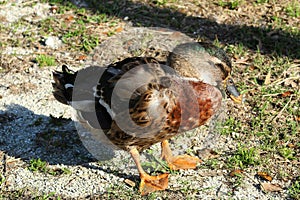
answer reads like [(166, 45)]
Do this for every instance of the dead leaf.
[(268, 78), (270, 187), (82, 57), (119, 29), (298, 119), (69, 18), (129, 182), (252, 67), (287, 94), (290, 145), (265, 176), (236, 172)]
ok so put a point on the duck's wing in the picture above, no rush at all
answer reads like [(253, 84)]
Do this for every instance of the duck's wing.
[(123, 82)]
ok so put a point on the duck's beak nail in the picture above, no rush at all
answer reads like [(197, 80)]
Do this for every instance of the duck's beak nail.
[(234, 94), (238, 99)]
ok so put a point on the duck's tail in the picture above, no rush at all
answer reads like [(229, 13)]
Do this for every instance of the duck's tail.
[(63, 84)]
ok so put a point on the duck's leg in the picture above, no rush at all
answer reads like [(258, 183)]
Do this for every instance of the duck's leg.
[(149, 183), (177, 162)]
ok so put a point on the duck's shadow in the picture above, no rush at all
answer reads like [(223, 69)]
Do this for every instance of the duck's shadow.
[(26, 135)]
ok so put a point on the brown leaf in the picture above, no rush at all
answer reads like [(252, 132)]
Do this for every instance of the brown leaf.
[(119, 29), (265, 176), (290, 145), (69, 18), (82, 57), (252, 67), (270, 187), (236, 172), (287, 94)]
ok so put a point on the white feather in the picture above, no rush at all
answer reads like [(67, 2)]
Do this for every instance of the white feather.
[(108, 109)]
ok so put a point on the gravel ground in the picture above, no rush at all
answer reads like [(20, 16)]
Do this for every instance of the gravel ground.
[(34, 125)]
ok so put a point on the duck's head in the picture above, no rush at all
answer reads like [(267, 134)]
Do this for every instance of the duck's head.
[(207, 63)]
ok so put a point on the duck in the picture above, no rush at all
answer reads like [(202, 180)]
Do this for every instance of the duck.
[(140, 101)]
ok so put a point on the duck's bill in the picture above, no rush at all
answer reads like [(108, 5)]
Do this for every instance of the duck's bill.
[(234, 94)]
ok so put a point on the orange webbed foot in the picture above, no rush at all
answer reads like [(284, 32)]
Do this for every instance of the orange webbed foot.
[(153, 183), (183, 162), (149, 183), (178, 162)]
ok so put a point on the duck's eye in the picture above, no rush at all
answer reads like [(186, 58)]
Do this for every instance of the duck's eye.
[(230, 81)]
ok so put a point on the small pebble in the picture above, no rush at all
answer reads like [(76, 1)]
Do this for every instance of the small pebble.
[(53, 42)]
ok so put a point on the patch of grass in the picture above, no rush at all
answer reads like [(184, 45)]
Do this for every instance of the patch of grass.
[(47, 25), (3, 2), (45, 60), (160, 2), (261, 1), (293, 9), (2, 179), (237, 180), (230, 125), (155, 165), (294, 189), (15, 194), (77, 28), (231, 4), (37, 165), (238, 50), (243, 157), (48, 196), (287, 153), (66, 171), (63, 6), (277, 21), (80, 38), (212, 164)]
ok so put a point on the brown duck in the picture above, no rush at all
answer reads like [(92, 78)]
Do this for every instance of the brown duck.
[(140, 101)]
